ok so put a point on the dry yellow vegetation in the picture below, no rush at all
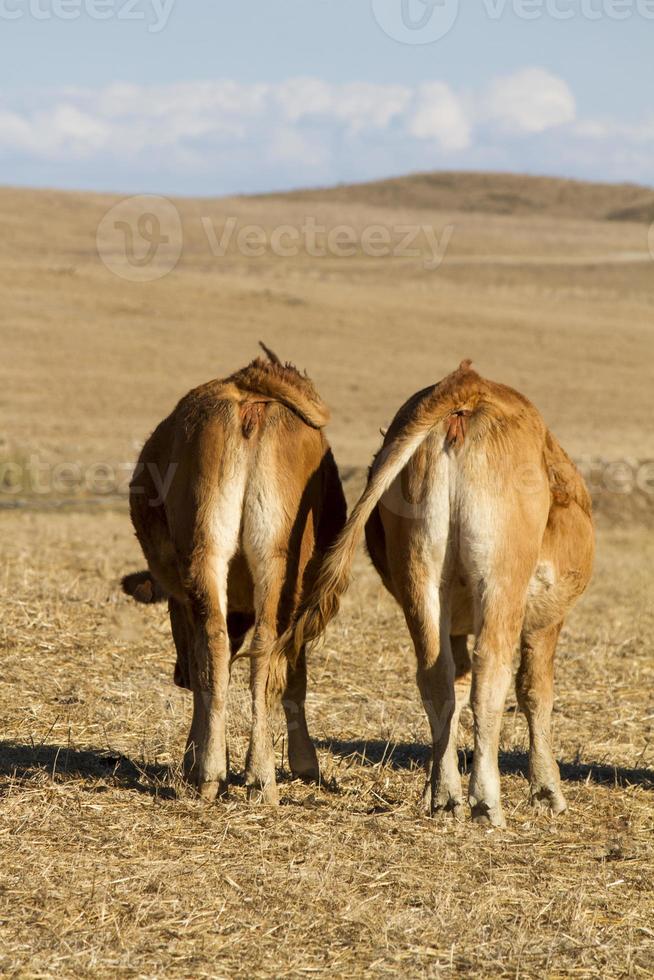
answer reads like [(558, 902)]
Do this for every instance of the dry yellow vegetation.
[(107, 866)]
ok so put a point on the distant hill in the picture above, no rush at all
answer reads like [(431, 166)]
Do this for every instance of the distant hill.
[(512, 194), (640, 210), (485, 193)]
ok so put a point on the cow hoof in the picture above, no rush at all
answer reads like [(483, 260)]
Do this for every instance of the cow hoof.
[(441, 805), (267, 794), (452, 808), (548, 799), (309, 775), (487, 816), (211, 789), (305, 766)]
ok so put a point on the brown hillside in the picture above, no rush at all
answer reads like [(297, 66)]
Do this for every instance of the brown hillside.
[(640, 210), (511, 194)]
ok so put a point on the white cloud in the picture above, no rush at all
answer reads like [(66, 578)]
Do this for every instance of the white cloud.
[(287, 145), (598, 129), (69, 129), (229, 112), (530, 101), (225, 136), (440, 115), (16, 132), (356, 106)]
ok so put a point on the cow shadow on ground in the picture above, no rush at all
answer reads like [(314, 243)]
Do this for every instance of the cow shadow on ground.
[(412, 755), (103, 769)]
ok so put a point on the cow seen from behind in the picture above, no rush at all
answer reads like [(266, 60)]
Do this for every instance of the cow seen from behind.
[(478, 524), (252, 502)]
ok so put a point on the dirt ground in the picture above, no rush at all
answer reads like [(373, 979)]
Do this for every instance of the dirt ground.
[(108, 867)]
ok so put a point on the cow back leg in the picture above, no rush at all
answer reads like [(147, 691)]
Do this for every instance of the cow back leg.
[(213, 530), (535, 693), (449, 774), (497, 638), (462, 673), (435, 676), (260, 762), (182, 631), (268, 574), (462, 679), (302, 757), (205, 759)]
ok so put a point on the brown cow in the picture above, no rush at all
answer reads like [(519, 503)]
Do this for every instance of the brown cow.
[(477, 522), (235, 498)]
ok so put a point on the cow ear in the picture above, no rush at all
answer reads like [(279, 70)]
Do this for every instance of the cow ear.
[(270, 354)]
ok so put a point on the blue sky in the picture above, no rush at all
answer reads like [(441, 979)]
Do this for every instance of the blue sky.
[(191, 97)]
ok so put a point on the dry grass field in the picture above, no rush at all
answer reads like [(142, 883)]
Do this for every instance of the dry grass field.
[(108, 867)]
